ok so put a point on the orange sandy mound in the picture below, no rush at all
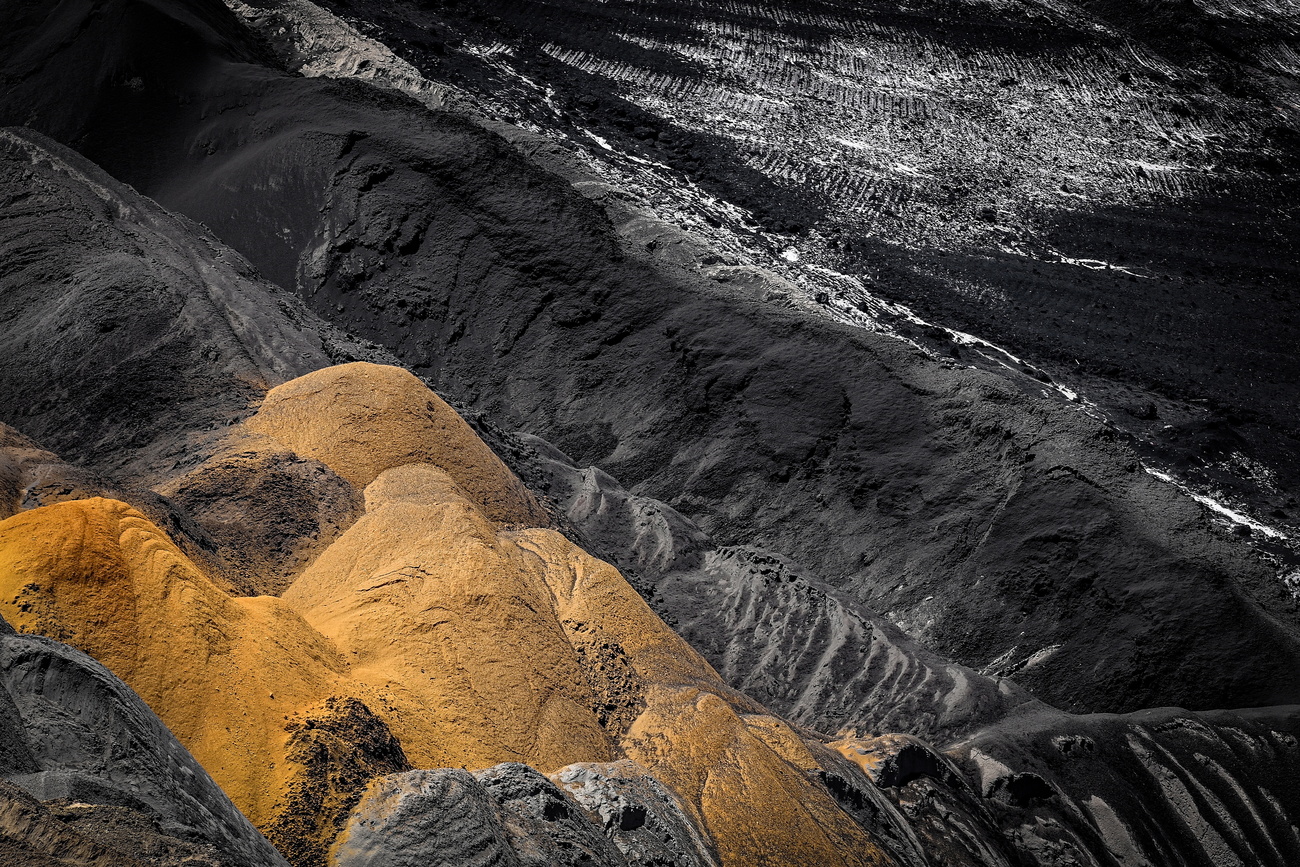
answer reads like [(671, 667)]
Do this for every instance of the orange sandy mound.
[(222, 672), (739, 770), (743, 776), (472, 642), (442, 614), (361, 419)]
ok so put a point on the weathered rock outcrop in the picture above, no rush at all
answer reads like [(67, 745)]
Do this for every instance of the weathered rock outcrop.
[(440, 818)]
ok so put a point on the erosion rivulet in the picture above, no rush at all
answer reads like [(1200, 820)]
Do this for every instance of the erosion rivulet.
[(827, 578)]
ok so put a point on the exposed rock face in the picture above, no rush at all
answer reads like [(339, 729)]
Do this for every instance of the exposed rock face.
[(546, 827), (441, 817), (643, 819)]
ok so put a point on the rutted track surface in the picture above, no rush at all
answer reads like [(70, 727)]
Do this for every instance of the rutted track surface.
[(1105, 188)]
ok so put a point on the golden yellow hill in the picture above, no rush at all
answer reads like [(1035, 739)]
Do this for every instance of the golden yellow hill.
[(737, 768), (439, 612), (361, 419), (434, 616), (222, 672)]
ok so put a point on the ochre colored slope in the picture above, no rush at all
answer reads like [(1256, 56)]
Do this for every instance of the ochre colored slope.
[(221, 672), (436, 610), (361, 419), (472, 640), (714, 746)]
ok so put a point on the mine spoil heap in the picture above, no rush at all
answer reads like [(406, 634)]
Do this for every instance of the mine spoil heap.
[(434, 438)]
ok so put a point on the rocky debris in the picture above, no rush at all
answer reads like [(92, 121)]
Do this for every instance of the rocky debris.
[(645, 820), (119, 782), (310, 41), (544, 825), (334, 751), (617, 689), (267, 512), (421, 818)]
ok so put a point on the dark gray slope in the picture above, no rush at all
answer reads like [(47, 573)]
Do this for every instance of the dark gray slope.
[(1000, 528), (73, 732), (1157, 787), (131, 339), (1026, 784), (1106, 187), (801, 648), (131, 335)]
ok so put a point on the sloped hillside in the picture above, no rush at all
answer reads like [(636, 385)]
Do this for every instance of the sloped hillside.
[(685, 561), (896, 476), (473, 645)]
